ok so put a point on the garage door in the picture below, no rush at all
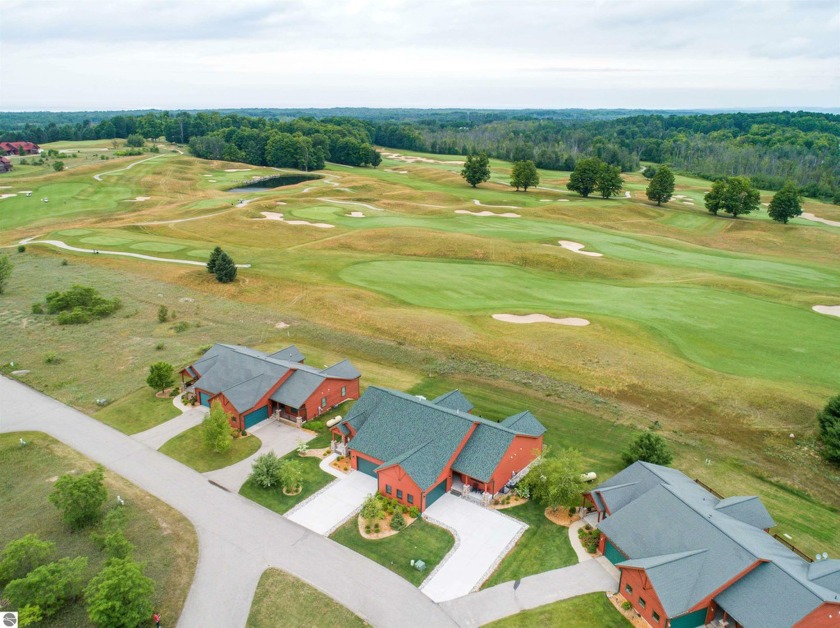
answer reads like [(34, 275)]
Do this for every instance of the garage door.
[(434, 494), (366, 466), (612, 554), (252, 418)]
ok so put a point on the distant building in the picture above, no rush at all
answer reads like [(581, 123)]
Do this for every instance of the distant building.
[(252, 385), (689, 558), (5, 164), (15, 148), (417, 449)]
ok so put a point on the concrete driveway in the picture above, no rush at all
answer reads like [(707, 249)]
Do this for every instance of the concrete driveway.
[(159, 434), (333, 505), (484, 537), (274, 436)]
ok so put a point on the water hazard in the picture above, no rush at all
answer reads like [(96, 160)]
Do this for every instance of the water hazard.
[(274, 181)]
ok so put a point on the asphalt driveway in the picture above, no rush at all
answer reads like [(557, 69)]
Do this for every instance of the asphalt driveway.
[(329, 508)]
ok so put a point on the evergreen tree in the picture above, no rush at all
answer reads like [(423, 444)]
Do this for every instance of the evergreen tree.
[(476, 169), (5, 271), (829, 420), (785, 204), (584, 178), (661, 186), (524, 175), (214, 257), (609, 182), (225, 269)]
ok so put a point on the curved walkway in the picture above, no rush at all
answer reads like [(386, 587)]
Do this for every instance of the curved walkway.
[(825, 221), (99, 176), (63, 245), (238, 539)]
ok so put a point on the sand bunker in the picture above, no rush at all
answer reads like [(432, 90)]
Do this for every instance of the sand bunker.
[(281, 325), (211, 180), (577, 247), (680, 196), (627, 195), (137, 199), (811, 217), (5, 187), (279, 217), (486, 213), (2, 196), (480, 204), (411, 159), (236, 170), (279, 203), (355, 215), (340, 202), (396, 171), (831, 310), (540, 318)]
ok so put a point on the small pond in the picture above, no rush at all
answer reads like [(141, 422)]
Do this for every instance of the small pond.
[(275, 181)]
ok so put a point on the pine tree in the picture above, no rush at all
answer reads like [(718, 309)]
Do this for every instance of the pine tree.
[(225, 269), (785, 204), (661, 186), (214, 257), (476, 169)]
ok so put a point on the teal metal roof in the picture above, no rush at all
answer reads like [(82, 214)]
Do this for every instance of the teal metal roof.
[(422, 437), (454, 400), (525, 423), (748, 509), (290, 354)]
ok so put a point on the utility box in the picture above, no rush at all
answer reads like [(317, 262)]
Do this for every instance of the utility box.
[(419, 565)]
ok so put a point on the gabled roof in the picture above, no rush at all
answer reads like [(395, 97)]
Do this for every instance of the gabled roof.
[(342, 370), (674, 577), (826, 573), (525, 423), (246, 375), (290, 354), (748, 509), (454, 400), (422, 437)]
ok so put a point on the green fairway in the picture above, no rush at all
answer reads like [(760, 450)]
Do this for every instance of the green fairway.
[(419, 541), (189, 448)]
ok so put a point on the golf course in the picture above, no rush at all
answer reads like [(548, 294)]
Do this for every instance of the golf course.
[(653, 317)]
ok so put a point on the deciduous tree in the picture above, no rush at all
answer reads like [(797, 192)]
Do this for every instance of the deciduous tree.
[(609, 182), (265, 470), (22, 555), (524, 175), (648, 447), (785, 204), (290, 475), (476, 169), (80, 497), (371, 508), (556, 480), (734, 196), (216, 429), (49, 587), (120, 595), (161, 376), (584, 178), (661, 186)]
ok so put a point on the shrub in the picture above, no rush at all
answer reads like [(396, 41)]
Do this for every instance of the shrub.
[(160, 346), (120, 594), (64, 262), (52, 358), (414, 511), (829, 422), (397, 521), (80, 305), (162, 314), (21, 248), (316, 426), (376, 528), (265, 470), (626, 605), (367, 528), (648, 447), (301, 448), (180, 327), (112, 537), (49, 587), (22, 555), (37, 308), (290, 475), (371, 509), (80, 498)]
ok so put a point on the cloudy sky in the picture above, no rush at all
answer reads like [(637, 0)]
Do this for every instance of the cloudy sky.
[(166, 54)]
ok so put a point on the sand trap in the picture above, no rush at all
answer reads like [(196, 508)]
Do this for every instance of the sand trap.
[(831, 310), (577, 247), (480, 204), (211, 180), (340, 202), (281, 325), (411, 159), (545, 200), (5, 187), (396, 171), (137, 199), (279, 203), (355, 215), (811, 217), (688, 202), (627, 195), (486, 213), (234, 170), (563, 200), (207, 175), (25, 192), (2, 196), (540, 318), (680, 196), (279, 217)]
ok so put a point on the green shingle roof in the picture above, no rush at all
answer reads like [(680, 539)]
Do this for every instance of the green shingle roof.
[(525, 423), (454, 400), (422, 437)]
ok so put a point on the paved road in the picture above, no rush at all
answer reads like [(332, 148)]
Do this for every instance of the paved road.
[(237, 538)]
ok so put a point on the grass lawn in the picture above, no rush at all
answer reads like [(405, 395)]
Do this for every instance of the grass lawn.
[(584, 611), (162, 538), (138, 411), (419, 541), (189, 448), (273, 498), (543, 546), (282, 599)]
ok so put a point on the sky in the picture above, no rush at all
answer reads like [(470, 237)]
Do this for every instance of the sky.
[(203, 54)]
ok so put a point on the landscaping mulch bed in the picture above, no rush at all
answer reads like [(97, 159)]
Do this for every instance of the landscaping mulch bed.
[(342, 465), (515, 500), (561, 517), (384, 527), (630, 615)]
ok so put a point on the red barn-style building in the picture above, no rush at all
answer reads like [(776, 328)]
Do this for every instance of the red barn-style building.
[(5, 164), (252, 385), (417, 449), (16, 148)]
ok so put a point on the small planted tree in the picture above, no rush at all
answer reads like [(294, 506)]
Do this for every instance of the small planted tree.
[(58, 166), (290, 476), (371, 508), (398, 521), (265, 470), (49, 587), (661, 186), (163, 314), (214, 257), (829, 420), (161, 376), (120, 595), (80, 498), (225, 268), (476, 169), (22, 555), (216, 429), (555, 481), (648, 447)]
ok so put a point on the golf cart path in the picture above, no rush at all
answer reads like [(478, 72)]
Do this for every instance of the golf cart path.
[(63, 245), (99, 176)]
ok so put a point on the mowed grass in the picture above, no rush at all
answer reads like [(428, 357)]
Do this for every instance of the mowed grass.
[(163, 539), (189, 448), (543, 546), (282, 599), (314, 479), (138, 411), (419, 541), (584, 611)]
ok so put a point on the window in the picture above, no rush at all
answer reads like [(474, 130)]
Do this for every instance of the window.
[(656, 617), (642, 602), (399, 493), (628, 588), (410, 498), (323, 402), (344, 391), (387, 489)]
